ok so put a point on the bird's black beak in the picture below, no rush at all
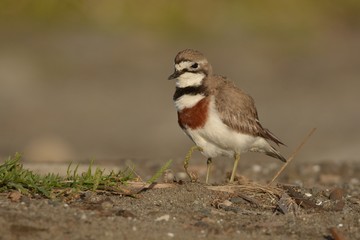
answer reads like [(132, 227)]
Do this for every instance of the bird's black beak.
[(174, 75)]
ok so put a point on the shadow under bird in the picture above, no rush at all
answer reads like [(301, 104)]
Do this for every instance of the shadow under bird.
[(220, 118)]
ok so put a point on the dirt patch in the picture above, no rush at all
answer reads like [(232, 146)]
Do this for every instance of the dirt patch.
[(323, 204)]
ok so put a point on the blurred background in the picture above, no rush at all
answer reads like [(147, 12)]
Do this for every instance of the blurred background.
[(88, 79)]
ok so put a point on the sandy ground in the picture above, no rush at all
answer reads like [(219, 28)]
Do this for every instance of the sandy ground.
[(325, 204)]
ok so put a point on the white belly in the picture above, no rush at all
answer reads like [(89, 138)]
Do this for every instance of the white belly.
[(217, 139)]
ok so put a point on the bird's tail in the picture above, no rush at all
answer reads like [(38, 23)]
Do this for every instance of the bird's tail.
[(272, 152)]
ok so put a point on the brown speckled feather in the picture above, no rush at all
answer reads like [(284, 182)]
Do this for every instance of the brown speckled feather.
[(237, 109)]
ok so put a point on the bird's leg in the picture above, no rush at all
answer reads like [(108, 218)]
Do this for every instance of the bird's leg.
[(237, 158), (209, 163), (187, 159)]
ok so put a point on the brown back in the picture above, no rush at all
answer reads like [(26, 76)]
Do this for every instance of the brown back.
[(237, 109)]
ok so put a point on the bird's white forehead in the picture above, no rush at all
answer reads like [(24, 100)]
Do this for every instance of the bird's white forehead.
[(186, 64), (182, 65)]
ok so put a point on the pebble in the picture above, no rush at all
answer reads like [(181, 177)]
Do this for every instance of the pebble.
[(181, 176), (354, 181), (169, 176), (256, 168), (226, 203), (316, 168), (336, 194), (165, 218), (170, 234), (15, 196), (83, 216)]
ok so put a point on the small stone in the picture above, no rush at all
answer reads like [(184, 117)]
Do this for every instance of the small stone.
[(336, 194), (226, 203), (354, 181), (256, 168), (169, 176), (165, 218), (15, 196), (170, 234), (284, 203), (181, 176), (337, 201), (83, 216), (308, 194), (316, 168)]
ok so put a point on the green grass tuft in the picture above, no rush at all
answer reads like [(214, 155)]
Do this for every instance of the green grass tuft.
[(14, 177)]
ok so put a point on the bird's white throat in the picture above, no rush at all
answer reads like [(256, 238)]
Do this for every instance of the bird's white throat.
[(188, 101), (190, 79)]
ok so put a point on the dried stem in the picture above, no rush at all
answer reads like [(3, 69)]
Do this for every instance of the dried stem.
[(292, 156)]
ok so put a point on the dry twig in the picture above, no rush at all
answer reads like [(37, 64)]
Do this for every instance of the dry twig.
[(292, 156)]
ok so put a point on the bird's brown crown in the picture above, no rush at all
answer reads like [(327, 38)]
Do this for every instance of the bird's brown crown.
[(190, 55)]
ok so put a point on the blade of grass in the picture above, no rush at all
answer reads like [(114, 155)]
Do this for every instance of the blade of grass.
[(160, 172)]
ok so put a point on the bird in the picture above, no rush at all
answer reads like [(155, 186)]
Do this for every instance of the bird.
[(220, 118)]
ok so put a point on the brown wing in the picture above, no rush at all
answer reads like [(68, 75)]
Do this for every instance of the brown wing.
[(237, 110)]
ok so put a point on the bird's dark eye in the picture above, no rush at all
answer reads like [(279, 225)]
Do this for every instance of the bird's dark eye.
[(195, 65)]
